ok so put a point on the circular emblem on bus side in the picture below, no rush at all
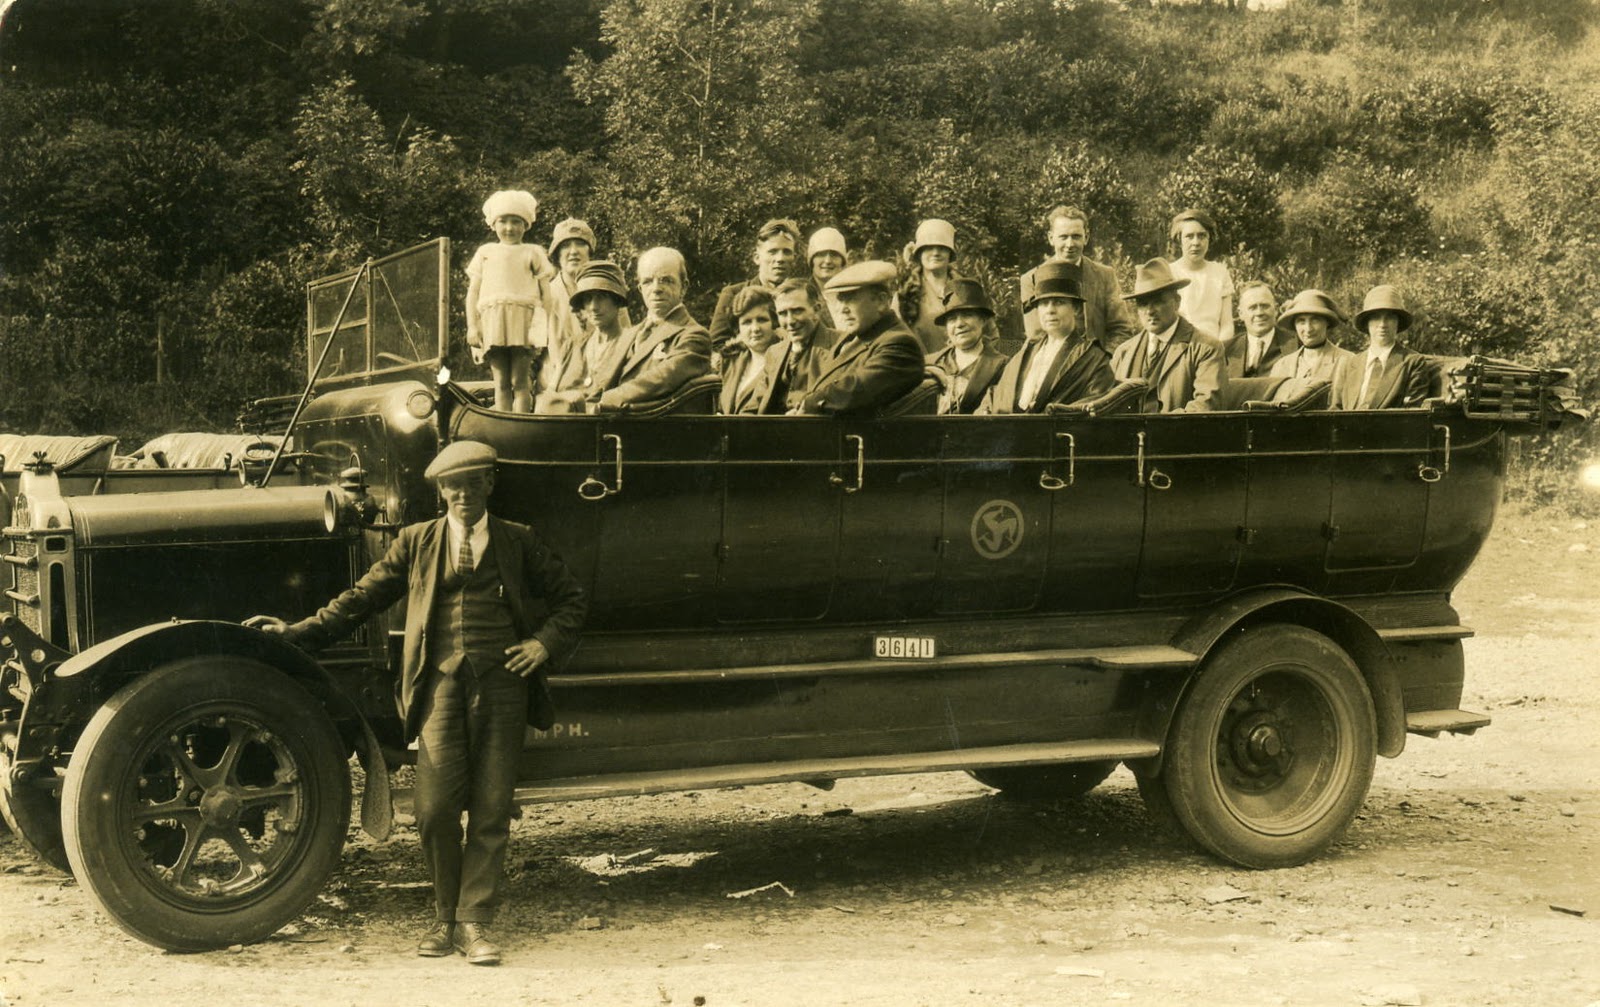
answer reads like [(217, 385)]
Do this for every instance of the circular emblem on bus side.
[(997, 529)]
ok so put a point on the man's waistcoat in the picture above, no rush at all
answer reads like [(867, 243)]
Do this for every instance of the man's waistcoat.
[(470, 619)]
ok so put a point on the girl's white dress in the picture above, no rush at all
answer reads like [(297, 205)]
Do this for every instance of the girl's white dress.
[(1205, 300), (514, 307)]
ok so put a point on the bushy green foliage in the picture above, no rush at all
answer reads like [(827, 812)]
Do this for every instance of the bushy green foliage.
[(1240, 195), (1358, 211)]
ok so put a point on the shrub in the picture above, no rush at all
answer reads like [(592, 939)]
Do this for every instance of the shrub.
[(1231, 186), (1359, 212)]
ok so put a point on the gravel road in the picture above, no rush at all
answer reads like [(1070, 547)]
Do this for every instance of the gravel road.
[(1469, 878)]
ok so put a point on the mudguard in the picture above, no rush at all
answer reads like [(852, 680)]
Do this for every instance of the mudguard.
[(88, 678)]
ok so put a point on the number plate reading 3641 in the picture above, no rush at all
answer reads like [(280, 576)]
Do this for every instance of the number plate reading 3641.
[(902, 646)]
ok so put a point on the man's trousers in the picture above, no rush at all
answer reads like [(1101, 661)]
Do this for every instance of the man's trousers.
[(471, 738)]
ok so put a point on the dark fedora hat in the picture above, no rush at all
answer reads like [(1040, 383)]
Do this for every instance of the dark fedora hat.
[(1056, 279), (1152, 278), (965, 295)]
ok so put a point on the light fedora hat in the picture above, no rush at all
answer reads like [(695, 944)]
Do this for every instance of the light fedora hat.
[(1153, 277), (1383, 298), (1310, 302)]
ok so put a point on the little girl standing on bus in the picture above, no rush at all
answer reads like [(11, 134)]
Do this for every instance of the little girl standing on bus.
[(508, 300)]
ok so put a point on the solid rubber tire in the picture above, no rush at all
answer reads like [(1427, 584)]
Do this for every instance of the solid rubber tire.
[(1198, 789), (103, 761)]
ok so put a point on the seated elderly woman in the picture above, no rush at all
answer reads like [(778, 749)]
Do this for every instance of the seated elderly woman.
[(970, 364), (744, 357)]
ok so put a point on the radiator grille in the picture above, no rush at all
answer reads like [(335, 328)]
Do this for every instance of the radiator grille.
[(24, 581)]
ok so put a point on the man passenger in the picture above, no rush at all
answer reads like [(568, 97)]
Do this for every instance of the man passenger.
[(1105, 316), (661, 354), (1263, 342), (794, 362), (1060, 363), (776, 252), (881, 359), (1183, 367)]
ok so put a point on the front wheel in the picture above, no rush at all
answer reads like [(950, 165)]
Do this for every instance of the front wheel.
[(1271, 751), (206, 803)]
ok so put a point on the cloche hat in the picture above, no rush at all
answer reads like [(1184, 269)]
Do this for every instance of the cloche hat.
[(600, 274), (934, 232), (965, 295), (1153, 277), (459, 457), (510, 202), (826, 239), (1310, 302), (571, 229), (1056, 279), (1383, 298)]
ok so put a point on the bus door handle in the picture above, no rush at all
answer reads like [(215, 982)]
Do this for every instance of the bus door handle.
[(593, 488), (861, 465), (1430, 474), (1156, 479), (1049, 480)]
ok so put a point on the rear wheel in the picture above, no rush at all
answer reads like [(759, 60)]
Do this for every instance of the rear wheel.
[(206, 803), (1045, 783), (1272, 749)]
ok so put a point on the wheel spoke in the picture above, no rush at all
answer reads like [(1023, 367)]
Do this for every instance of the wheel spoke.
[(194, 836), (177, 808), (276, 795), (238, 735), (251, 866)]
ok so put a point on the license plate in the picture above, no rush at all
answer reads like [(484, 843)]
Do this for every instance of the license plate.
[(920, 647)]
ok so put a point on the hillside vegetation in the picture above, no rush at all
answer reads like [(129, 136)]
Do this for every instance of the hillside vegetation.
[(176, 171)]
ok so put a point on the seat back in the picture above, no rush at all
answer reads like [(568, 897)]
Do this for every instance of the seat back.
[(923, 400), (1239, 391), (1123, 397), (695, 397), (1295, 395)]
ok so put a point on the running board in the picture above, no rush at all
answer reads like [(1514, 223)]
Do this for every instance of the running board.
[(812, 770), (1434, 722)]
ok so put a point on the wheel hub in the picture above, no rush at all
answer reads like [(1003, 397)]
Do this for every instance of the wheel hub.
[(1258, 746), (220, 807)]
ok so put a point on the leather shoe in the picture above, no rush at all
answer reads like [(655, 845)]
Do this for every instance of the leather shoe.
[(472, 940), (436, 943)]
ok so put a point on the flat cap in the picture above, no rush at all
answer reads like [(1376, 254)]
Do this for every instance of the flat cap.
[(872, 273), (459, 457)]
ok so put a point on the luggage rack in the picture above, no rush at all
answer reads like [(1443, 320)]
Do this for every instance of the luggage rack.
[(1493, 389)]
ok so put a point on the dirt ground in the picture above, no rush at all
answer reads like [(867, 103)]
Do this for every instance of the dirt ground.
[(932, 890)]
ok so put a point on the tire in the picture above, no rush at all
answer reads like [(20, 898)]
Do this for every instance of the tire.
[(206, 803), (33, 815), (1045, 783), (1271, 750)]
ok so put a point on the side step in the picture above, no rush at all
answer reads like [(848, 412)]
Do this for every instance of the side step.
[(812, 770), (1434, 722)]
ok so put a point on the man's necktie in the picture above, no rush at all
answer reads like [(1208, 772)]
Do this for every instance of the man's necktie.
[(1369, 387), (1153, 361), (464, 561)]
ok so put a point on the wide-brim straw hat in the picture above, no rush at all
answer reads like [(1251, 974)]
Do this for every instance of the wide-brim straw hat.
[(1056, 279), (600, 274), (933, 233), (1152, 278), (1383, 298), (513, 203), (826, 239), (965, 295), (1310, 302), (571, 229)]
